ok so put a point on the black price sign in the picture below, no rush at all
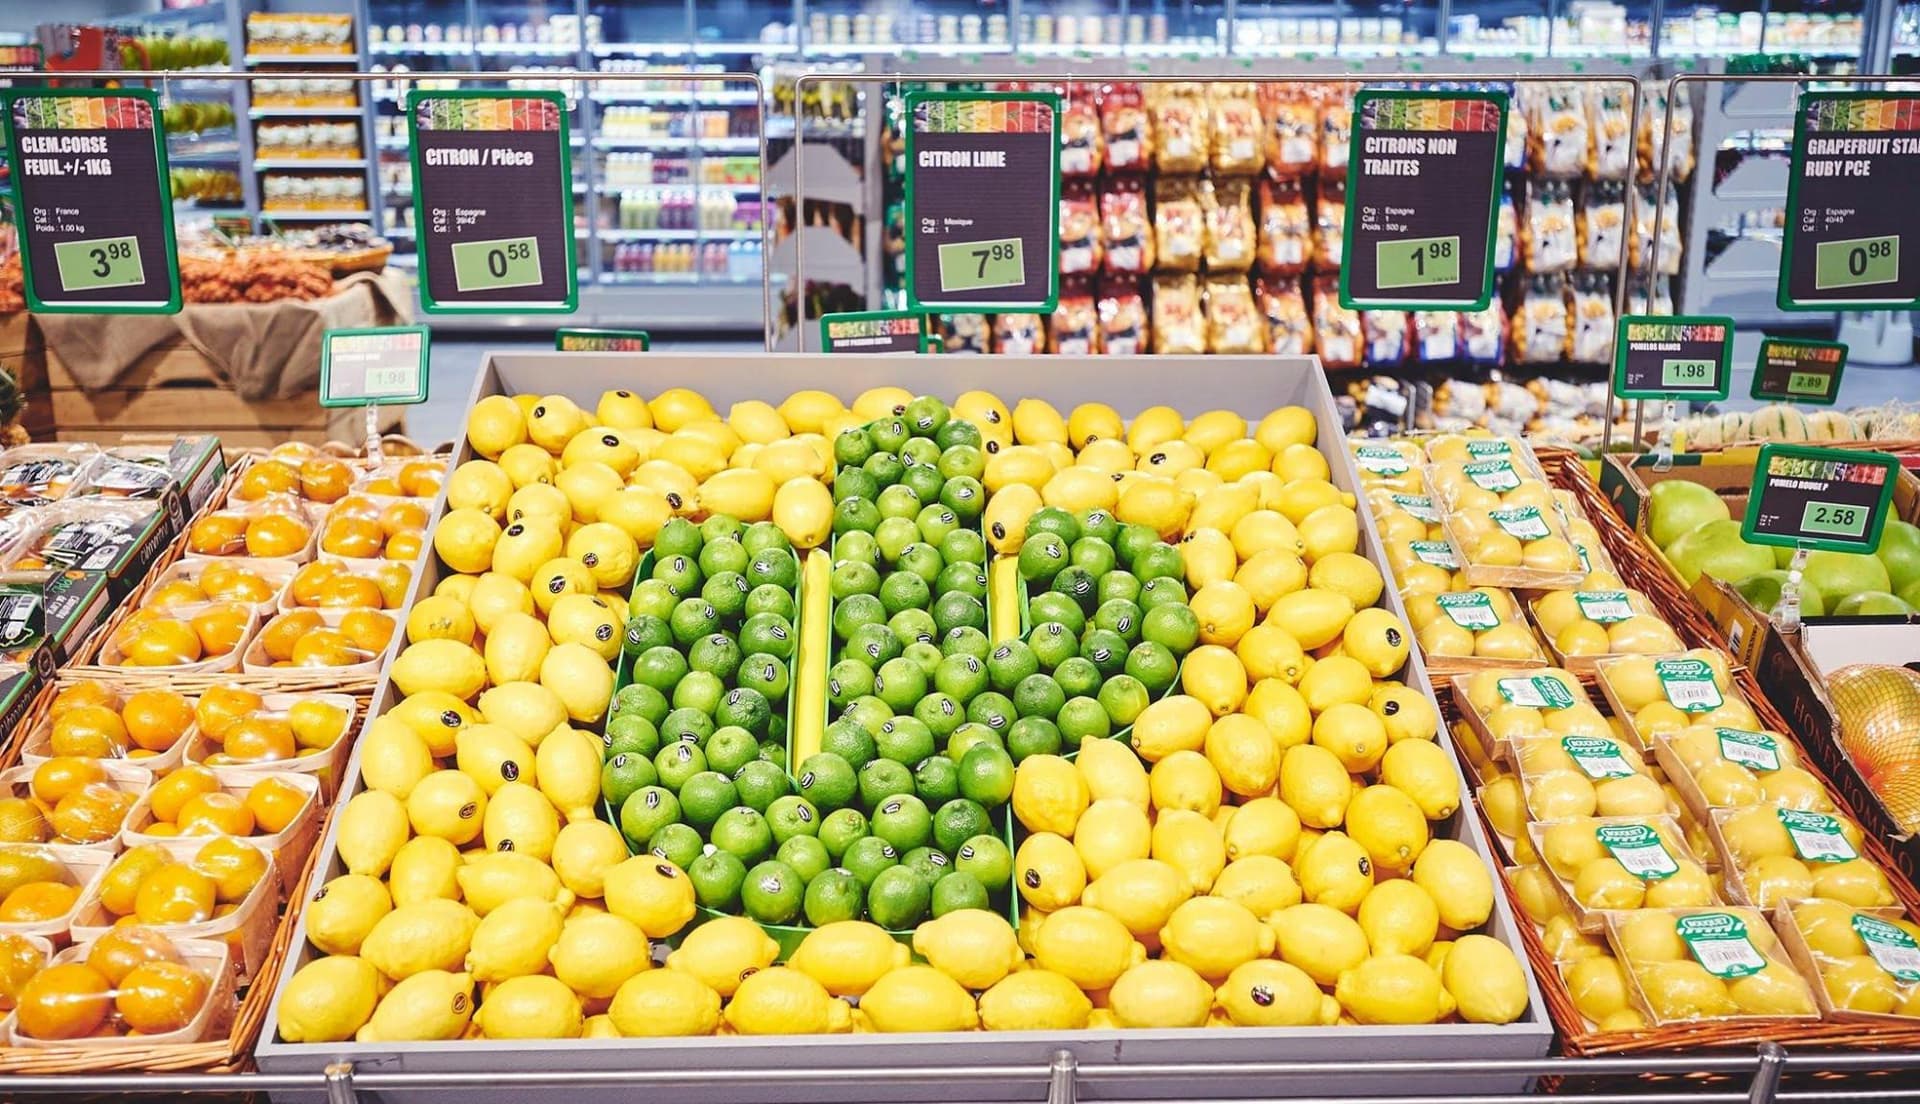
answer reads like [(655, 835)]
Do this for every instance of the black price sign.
[(493, 201), (1423, 199), (385, 364), (1662, 357), (1799, 370), (983, 201), (874, 332), (1849, 215), (601, 341), (95, 210), (1835, 499)]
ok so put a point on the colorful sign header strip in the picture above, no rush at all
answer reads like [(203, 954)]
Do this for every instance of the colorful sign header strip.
[(1435, 114)]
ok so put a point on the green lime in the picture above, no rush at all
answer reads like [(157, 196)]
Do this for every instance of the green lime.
[(868, 712), (914, 629), (1106, 650), (941, 714), (854, 482), (964, 495), (849, 741), (770, 599), (965, 640), (1123, 698), (894, 537), (723, 557), (1118, 586), (644, 811), (986, 857), (731, 748), (926, 483), (898, 898), (1158, 560), (1033, 736), (885, 467), (857, 547), (1164, 591), (882, 779), (957, 609), (900, 683), (930, 863), (961, 578), (867, 856), (768, 634), (905, 740), (623, 774), (960, 453), (1120, 617), (955, 891), (964, 546), (645, 631), (1175, 628), (743, 833), (722, 527), (1042, 556), (776, 567), (827, 781), (772, 892), (1083, 718), (765, 675), (642, 700), (833, 896), (840, 828), (681, 574), (888, 434), (922, 559), (935, 521), (857, 610), (660, 668), (1039, 695), (899, 501), (652, 598), (806, 855), (1053, 608), (792, 816), (699, 690), (986, 776), (1153, 665), (960, 677), (630, 733), (927, 416), (686, 725), (851, 447), (1054, 520), (920, 450), (764, 535), (727, 593), (679, 761), (678, 537), (1133, 540), (716, 654), (847, 680), (852, 577), (1078, 584), (903, 821), (1098, 524), (716, 878), (992, 710), (1092, 555), (969, 736), (904, 590), (958, 821), (871, 645), (936, 779), (855, 514), (1009, 662), (679, 844), (705, 796), (760, 783)]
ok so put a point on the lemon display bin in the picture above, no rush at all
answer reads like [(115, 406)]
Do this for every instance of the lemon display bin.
[(1135, 1064)]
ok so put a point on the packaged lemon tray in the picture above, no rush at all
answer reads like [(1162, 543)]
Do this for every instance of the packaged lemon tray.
[(1480, 627), (1865, 961), (1688, 964), (1659, 695), (1501, 513)]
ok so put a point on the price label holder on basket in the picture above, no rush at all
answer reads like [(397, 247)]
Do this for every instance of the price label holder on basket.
[(1797, 370), (374, 366), (601, 341), (983, 201), (1423, 200), (493, 201), (874, 332), (1672, 358), (1853, 231), (1807, 498), (92, 201)]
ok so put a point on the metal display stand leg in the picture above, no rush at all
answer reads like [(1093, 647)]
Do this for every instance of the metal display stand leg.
[(340, 1083)]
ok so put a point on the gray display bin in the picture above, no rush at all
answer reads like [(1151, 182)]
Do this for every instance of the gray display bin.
[(1174, 1065)]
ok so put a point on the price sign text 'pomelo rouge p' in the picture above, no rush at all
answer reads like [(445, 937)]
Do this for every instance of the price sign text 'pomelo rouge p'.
[(1834, 499), (1853, 230), (386, 364), (1673, 358), (1799, 370), (94, 207), (493, 201), (983, 202)]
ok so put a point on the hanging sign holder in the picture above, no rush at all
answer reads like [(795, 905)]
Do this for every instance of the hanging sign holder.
[(1672, 358), (1807, 498), (374, 366)]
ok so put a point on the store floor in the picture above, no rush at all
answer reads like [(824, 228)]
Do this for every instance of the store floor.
[(456, 360)]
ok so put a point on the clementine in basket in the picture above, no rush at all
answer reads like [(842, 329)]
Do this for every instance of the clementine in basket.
[(128, 947), (121, 883), (68, 1001), (220, 706), (369, 630), (77, 694), (308, 581), (384, 485), (37, 902), (235, 867), (275, 804), (91, 815), (22, 821), (324, 479), (155, 719), (405, 547), (317, 724), (172, 792), (285, 632), (221, 627), (231, 582), (292, 450), (422, 478), (174, 894), (61, 775), (161, 642), (403, 517), (259, 738), (217, 535), (361, 505), (276, 535), (355, 537), (160, 997), (215, 814), (94, 731), (19, 961), (393, 580), (265, 478), (176, 592), (327, 648), (345, 590)]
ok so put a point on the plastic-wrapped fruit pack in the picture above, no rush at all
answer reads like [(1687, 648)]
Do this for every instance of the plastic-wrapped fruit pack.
[(1867, 961), (1613, 864), (1584, 624), (1664, 694), (1501, 513), (133, 985), (1484, 623), (1774, 856), (1689, 964)]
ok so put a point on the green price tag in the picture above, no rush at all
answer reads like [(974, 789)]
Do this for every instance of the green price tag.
[(968, 266), (489, 265), (1807, 383), (1856, 262), (99, 263), (1417, 262), (1833, 520), (1686, 373)]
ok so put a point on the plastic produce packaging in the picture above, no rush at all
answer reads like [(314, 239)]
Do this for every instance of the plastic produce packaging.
[(1774, 856), (1501, 513), (1715, 767), (1655, 695), (1483, 625), (1581, 625), (1867, 961), (1615, 864), (1689, 964)]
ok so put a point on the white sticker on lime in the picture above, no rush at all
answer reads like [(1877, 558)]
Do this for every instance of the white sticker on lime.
[(1816, 837), (1418, 507), (1471, 610), (1435, 554), (1481, 450), (1753, 750), (1688, 684), (1380, 460), (1638, 848), (1891, 947), (1535, 692), (1604, 606), (1493, 475), (1522, 523), (1597, 757), (1718, 941)]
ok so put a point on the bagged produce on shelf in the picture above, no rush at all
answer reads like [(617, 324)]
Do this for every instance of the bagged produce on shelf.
[(1128, 234), (1656, 140), (1179, 326), (1610, 121), (1233, 323), (1179, 224), (1336, 132), (1559, 140), (1483, 334), (1385, 337), (1237, 128), (1659, 695), (1228, 221), (1776, 855), (1541, 329), (1292, 117), (1124, 129), (1612, 867), (1644, 214), (1436, 336), (1182, 127), (1398, 465), (1074, 327), (1019, 334), (968, 333), (1336, 330), (1081, 250), (1506, 236), (1865, 962), (1601, 223), (1590, 305), (1289, 330), (1286, 229), (1547, 236), (1082, 146), (1330, 225), (1123, 320)]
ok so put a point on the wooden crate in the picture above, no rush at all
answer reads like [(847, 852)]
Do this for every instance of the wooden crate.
[(23, 353)]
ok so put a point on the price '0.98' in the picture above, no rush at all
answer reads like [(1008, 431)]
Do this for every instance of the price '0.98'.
[(1860, 256)]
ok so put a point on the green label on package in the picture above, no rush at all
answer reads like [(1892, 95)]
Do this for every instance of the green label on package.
[(1493, 475), (1521, 523), (1380, 460), (1689, 684), (1604, 606), (1753, 750), (1472, 610), (1597, 757), (1638, 848), (1535, 692), (1718, 941), (1816, 837), (1481, 450), (1436, 554), (1893, 950), (1418, 507)]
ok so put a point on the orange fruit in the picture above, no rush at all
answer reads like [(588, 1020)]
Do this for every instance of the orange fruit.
[(308, 581), (215, 814), (422, 478), (292, 450), (403, 517), (91, 815), (160, 997), (172, 792), (324, 479), (235, 867), (36, 902), (316, 724), (61, 775), (217, 535), (162, 642), (95, 731), (120, 951), (235, 583), (275, 804), (221, 627), (327, 648), (155, 719), (68, 1001), (393, 580), (220, 706), (122, 881), (160, 829), (176, 592), (285, 632), (19, 961), (265, 478), (175, 894), (360, 505), (370, 630), (384, 485), (259, 738), (343, 591), (22, 821), (405, 547), (354, 537), (276, 535), (83, 693)]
